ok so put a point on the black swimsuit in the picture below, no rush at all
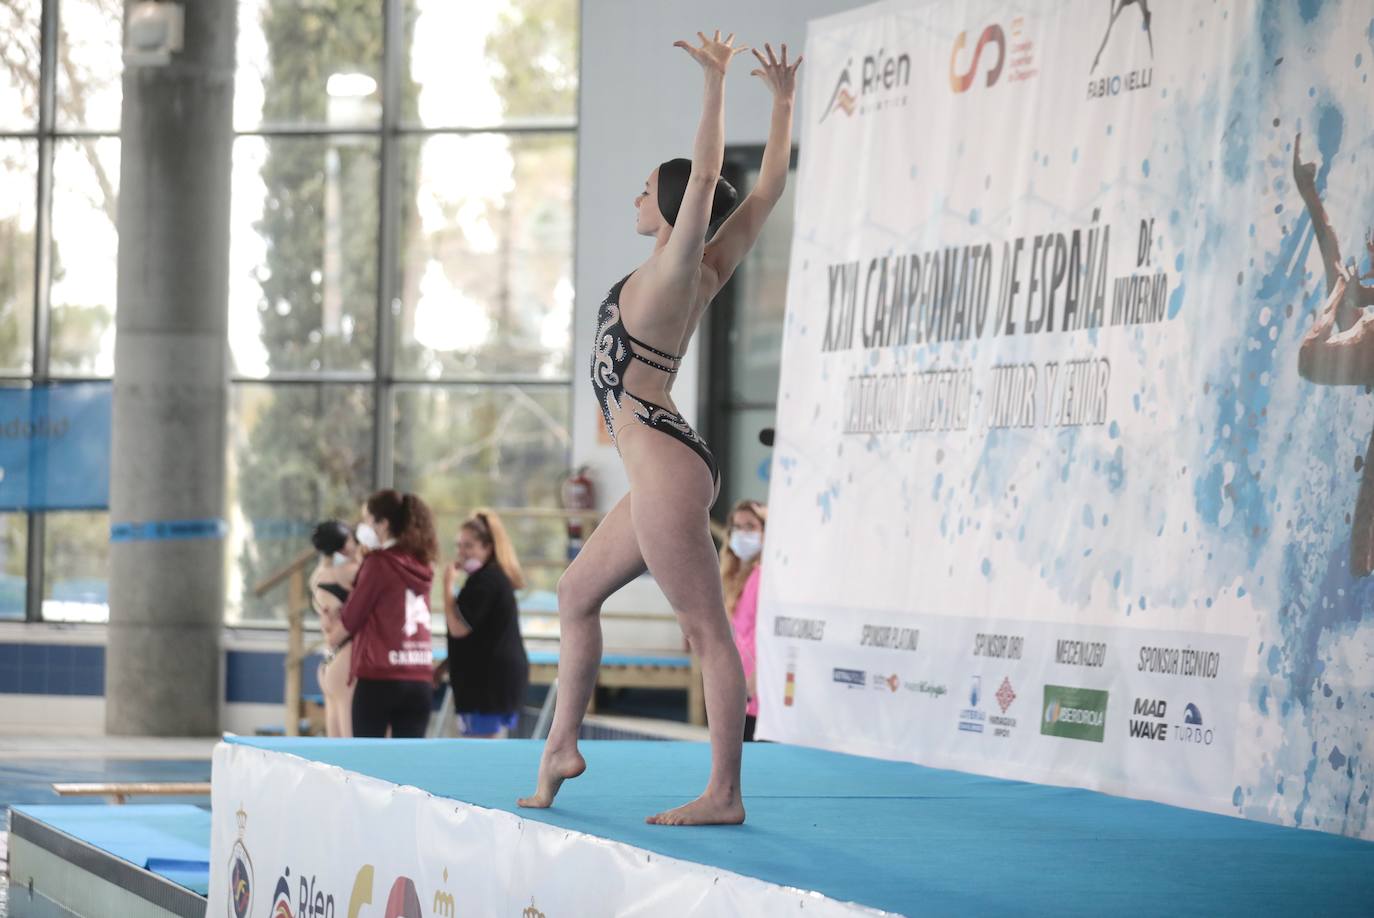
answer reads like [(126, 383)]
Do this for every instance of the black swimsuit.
[(615, 347)]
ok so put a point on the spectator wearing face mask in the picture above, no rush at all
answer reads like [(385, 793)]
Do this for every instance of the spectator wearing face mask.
[(488, 667), (739, 575), (388, 616), (330, 584)]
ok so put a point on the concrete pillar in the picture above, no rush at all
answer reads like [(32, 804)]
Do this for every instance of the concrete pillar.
[(167, 584)]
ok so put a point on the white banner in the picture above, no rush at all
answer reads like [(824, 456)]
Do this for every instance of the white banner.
[(293, 838), (1070, 478)]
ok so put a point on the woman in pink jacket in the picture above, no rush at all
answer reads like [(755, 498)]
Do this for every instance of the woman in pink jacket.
[(739, 574)]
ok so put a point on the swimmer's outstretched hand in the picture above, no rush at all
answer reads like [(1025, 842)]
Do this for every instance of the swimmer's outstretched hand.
[(713, 54), (778, 75)]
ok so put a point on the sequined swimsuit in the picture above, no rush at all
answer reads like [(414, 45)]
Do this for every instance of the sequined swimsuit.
[(614, 348)]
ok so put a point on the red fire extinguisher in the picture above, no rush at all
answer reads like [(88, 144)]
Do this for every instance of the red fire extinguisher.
[(578, 494)]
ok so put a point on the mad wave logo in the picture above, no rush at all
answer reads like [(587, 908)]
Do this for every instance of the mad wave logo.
[(1130, 80), (1074, 713), (1148, 720), (1016, 56), (240, 873), (882, 77)]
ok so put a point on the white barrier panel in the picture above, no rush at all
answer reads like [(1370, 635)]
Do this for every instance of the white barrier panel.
[(1072, 479), (324, 842)]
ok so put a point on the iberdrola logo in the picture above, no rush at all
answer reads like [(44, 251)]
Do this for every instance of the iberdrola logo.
[(240, 873)]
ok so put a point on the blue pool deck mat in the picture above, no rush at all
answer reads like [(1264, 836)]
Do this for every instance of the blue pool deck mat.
[(171, 840), (897, 836)]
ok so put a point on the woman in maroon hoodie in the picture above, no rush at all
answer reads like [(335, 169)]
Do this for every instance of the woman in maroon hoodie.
[(388, 616)]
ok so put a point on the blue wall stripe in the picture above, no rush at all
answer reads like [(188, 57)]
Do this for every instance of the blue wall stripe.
[(169, 530), (52, 669), (251, 677), (259, 677)]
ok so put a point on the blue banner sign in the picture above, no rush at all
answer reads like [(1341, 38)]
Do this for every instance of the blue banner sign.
[(55, 447)]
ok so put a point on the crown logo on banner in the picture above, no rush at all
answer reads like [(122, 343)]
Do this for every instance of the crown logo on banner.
[(240, 873), (532, 912)]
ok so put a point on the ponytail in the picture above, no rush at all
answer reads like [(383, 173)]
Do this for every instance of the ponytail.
[(410, 521), (488, 529)]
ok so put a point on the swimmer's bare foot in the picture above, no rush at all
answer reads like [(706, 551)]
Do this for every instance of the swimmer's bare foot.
[(555, 767), (707, 810)]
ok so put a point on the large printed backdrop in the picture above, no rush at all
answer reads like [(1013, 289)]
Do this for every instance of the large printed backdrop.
[(1072, 482)]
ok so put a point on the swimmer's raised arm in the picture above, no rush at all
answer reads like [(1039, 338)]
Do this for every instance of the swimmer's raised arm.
[(739, 233)]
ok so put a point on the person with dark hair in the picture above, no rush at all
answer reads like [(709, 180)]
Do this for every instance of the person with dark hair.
[(388, 616), (663, 524), (330, 584), (488, 667)]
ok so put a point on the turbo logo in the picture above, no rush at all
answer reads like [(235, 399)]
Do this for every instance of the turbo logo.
[(960, 82)]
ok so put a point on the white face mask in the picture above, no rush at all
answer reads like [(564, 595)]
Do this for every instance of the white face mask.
[(340, 559), (367, 537), (746, 545), (473, 565)]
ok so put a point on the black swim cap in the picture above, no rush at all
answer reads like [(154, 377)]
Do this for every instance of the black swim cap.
[(672, 185), (330, 536)]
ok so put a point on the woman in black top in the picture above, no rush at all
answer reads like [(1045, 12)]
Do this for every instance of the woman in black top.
[(487, 665)]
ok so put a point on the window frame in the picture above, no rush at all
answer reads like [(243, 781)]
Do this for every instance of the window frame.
[(392, 132)]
